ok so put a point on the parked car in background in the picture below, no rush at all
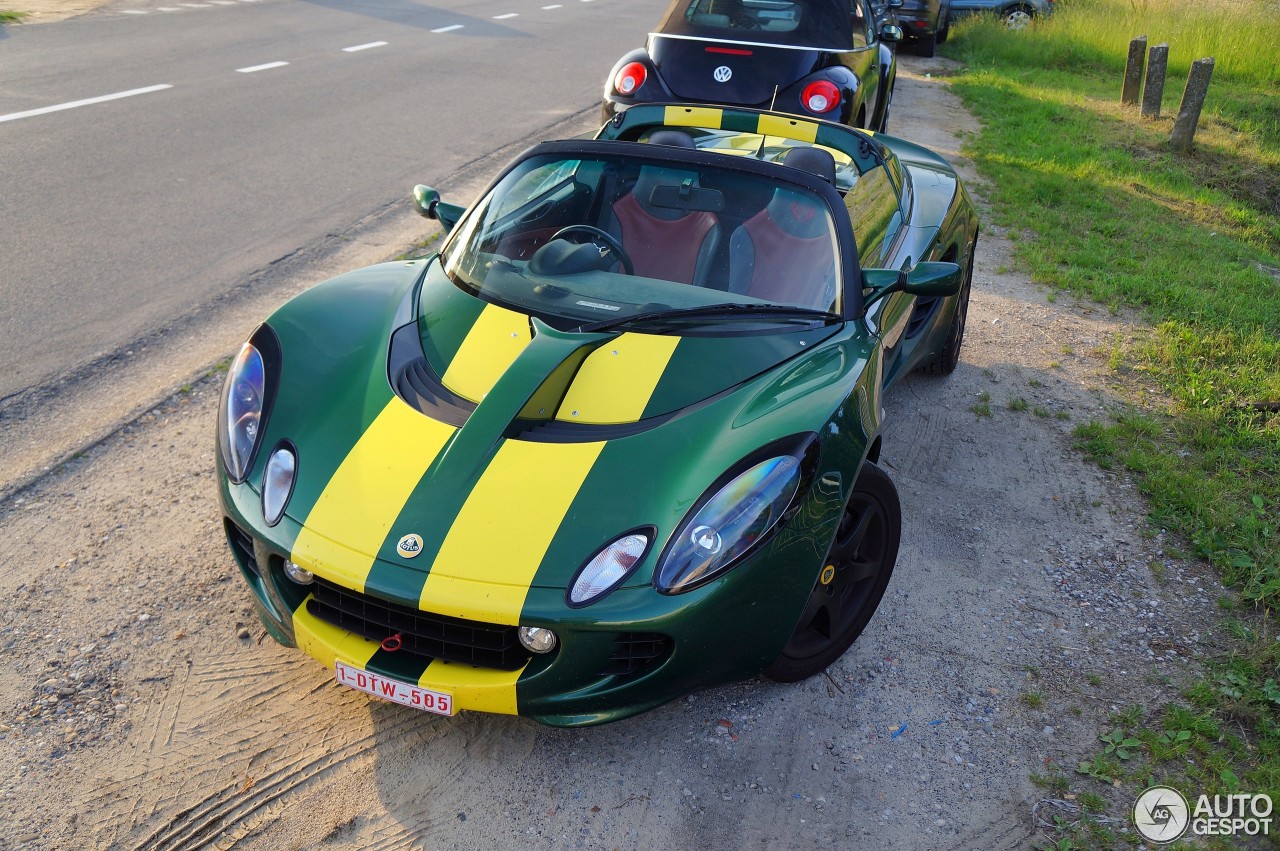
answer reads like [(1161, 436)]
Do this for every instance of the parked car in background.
[(925, 23), (1016, 14), (829, 59)]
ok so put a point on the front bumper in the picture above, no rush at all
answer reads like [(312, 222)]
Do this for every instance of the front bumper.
[(727, 630)]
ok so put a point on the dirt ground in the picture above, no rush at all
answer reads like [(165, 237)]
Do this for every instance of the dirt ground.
[(141, 706)]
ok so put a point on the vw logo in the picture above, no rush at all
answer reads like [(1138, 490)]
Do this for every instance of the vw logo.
[(723, 74)]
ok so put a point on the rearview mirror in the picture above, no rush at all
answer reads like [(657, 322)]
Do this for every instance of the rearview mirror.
[(891, 33), (687, 198), (930, 278), (428, 204)]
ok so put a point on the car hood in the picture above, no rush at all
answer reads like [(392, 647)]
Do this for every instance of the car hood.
[(692, 69), (559, 443)]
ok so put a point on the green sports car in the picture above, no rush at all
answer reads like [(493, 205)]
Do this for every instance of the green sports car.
[(617, 440)]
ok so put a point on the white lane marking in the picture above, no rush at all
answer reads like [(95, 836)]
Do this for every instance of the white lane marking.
[(554, 6), (448, 29), (265, 67), (364, 46), (508, 15), (167, 9), (195, 5), (13, 116), (223, 2), (132, 12)]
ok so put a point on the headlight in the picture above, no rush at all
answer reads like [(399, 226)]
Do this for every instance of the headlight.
[(246, 401), (729, 524), (246, 385), (277, 482), (607, 568)]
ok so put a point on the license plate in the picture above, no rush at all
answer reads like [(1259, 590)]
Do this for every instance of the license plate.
[(394, 690)]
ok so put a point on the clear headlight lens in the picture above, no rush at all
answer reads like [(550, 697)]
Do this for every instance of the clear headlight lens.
[(729, 524), (277, 483), (245, 389), (609, 567)]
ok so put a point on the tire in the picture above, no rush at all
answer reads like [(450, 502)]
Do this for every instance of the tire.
[(1017, 17), (863, 552), (945, 362), (884, 119), (926, 44), (944, 32)]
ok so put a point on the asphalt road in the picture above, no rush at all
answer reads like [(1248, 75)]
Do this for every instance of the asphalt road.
[(254, 130)]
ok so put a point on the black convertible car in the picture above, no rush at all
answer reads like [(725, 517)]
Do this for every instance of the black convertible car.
[(827, 59)]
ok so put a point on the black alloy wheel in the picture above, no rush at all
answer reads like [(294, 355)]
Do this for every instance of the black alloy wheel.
[(851, 583)]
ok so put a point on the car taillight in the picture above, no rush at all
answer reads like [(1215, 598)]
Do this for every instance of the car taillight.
[(820, 96), (630, 78)]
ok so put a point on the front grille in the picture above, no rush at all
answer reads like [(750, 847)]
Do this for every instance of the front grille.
[(242, 546), (634, 653), (422, 633)]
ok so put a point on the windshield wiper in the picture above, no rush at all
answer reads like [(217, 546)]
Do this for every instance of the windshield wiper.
[(711, 310)]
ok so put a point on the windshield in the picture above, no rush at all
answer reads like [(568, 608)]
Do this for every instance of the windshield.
[(608, 237), (816, 24)]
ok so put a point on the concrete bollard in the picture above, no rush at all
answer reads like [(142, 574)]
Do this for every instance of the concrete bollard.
[(1184, 126), (1153, 89), (1133, 70)]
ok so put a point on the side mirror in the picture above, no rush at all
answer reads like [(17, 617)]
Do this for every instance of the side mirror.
[(428, 204), (933, 278), (891, 33), (896, 4), (929, 278), (425, 200)]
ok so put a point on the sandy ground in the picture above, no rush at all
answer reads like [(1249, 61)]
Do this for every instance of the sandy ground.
[(142, 707)]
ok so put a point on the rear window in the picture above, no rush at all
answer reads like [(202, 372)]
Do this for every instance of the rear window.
[(797, 23)]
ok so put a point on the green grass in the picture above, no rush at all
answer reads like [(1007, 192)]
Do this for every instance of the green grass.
[(11, 17), (1106, 211)]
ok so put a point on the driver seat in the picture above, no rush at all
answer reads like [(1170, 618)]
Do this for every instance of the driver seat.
[(672, 245)]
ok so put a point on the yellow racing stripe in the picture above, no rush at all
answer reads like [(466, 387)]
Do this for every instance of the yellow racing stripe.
[(481, 689), (788, 128), (496, 543), (614, 384), (692, 116), (346, 527), (326, 643), (494, 342)]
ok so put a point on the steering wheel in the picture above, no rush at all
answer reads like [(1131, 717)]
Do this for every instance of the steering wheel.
[(610, 243)]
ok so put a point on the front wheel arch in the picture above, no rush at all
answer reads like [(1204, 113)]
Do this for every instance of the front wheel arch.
[(851, 582)]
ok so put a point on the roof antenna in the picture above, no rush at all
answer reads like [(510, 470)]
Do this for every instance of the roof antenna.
[(774, 100)]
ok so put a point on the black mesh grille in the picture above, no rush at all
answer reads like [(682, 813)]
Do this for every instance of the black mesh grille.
[(242, 546), (636, 652), (422, 633)]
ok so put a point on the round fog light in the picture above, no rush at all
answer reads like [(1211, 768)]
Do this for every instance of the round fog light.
[(537, 639), (297, 574)]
